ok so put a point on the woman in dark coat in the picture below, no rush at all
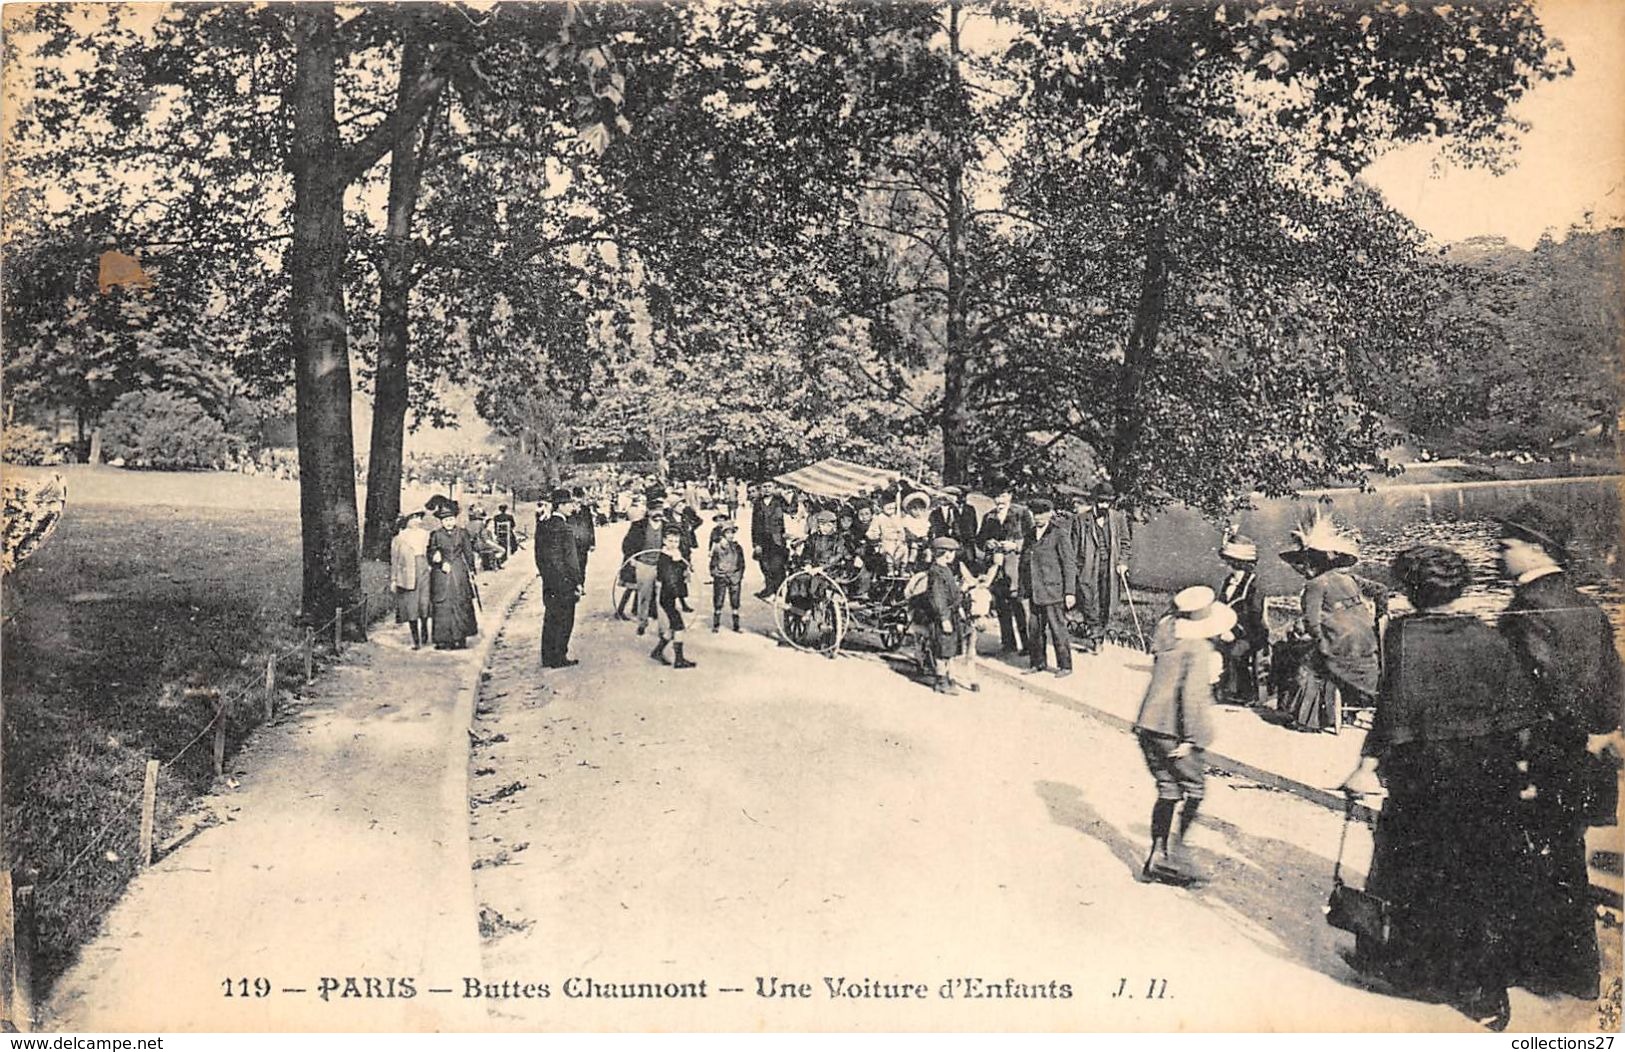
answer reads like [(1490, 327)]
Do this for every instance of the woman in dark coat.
[(451, 586), (1445, 745)]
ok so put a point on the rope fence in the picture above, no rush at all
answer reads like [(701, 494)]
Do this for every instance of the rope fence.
[(262, 684), (19, 897)]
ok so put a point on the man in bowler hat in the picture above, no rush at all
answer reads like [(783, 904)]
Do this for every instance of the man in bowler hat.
[(1566, 644), (1000, 539), (559, 562), (1049, 575)]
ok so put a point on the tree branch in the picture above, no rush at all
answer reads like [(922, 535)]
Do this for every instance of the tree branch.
[(929, 245), (355, 159)]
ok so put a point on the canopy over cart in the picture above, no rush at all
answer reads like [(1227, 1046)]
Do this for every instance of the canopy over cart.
[(834, 477)]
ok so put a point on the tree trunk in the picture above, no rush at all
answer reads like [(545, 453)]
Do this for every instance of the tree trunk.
[(394, 333), (955, 419), (327, 511), (1137, 355)]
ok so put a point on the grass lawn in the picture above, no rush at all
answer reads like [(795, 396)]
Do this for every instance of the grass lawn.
[(153, 583)]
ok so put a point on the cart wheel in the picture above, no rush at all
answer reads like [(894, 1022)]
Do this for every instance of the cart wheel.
[(810, 612), (648, 557)]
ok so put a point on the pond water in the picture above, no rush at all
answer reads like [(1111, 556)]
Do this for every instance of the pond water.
[(1477, 542), (1177, 547)]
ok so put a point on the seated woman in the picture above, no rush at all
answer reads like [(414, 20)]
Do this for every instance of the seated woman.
[(1341, 670), (1444, 744)]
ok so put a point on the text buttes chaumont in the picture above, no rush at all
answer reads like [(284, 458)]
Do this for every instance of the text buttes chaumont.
[(833, 987)]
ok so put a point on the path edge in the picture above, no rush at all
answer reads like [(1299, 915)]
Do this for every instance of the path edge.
[(457, 831)]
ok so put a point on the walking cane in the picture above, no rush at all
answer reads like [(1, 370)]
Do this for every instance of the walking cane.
[(1128, 593)]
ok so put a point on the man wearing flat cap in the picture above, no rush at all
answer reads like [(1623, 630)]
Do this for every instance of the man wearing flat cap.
[(1049, 576), (1566, 644), (559, 563), (954, 517)]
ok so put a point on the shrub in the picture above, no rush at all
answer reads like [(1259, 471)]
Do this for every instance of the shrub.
[(162, 430), (525, 475), (23, 444)]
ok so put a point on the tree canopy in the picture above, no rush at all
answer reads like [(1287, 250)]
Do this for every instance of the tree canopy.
[(1060, 242)]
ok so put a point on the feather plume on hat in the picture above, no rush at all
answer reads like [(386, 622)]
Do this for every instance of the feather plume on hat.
[(1318, 533)]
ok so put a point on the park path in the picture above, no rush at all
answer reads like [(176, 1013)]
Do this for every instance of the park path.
[(342, 853), (778, 814)]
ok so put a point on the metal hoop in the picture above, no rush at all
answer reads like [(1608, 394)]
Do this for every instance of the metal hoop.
[(615, 584), (832, 604)]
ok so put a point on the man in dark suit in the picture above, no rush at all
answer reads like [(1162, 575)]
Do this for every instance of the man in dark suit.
[(999, 541), (768, 544), (1100, 535), (1049, 576), (953, 517), (1566, 644), (559, 563)]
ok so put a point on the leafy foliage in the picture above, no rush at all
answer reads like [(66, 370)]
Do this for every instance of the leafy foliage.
[(1222, 295), (1528, 347), (27, 445), (162, 430)]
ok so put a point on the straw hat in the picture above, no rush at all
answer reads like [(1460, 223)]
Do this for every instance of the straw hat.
[(1199, 614), (1239, 547), (916, 500)]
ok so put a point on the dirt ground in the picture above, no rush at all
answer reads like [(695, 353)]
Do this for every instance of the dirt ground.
[(774, 816)]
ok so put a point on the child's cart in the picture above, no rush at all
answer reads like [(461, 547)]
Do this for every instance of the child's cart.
[(814, 609)]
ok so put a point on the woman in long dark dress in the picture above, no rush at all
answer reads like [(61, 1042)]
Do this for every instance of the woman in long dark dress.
[(1445, 746), (451, 589)]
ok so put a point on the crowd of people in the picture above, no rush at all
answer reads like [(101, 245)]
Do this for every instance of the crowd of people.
[(1493, 746)]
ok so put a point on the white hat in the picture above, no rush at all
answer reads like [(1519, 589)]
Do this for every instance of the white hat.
[(1201, 615)]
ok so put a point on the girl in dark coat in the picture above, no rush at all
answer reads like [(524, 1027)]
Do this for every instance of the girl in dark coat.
[(1445, 746), (451, 582), (946, 628)]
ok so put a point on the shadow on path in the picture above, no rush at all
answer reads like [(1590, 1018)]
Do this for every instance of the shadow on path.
[(1271, 891)]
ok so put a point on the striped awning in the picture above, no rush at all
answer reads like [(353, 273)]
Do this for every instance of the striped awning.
[(833, 477)]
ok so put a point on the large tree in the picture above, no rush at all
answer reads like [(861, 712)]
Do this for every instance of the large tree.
[(1202, 155)]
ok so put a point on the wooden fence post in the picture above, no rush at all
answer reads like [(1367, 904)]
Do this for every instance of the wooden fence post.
[(219, 735), (149, 805), (310, 655), (16, 953), (338, 629), (270, 688)]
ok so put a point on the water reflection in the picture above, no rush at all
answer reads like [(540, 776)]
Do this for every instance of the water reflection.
[(1477, 542)]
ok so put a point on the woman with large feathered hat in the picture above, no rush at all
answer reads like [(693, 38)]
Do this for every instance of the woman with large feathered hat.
[(1341, 669)]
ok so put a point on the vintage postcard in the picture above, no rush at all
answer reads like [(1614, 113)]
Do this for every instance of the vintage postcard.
[(1089, 516)]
